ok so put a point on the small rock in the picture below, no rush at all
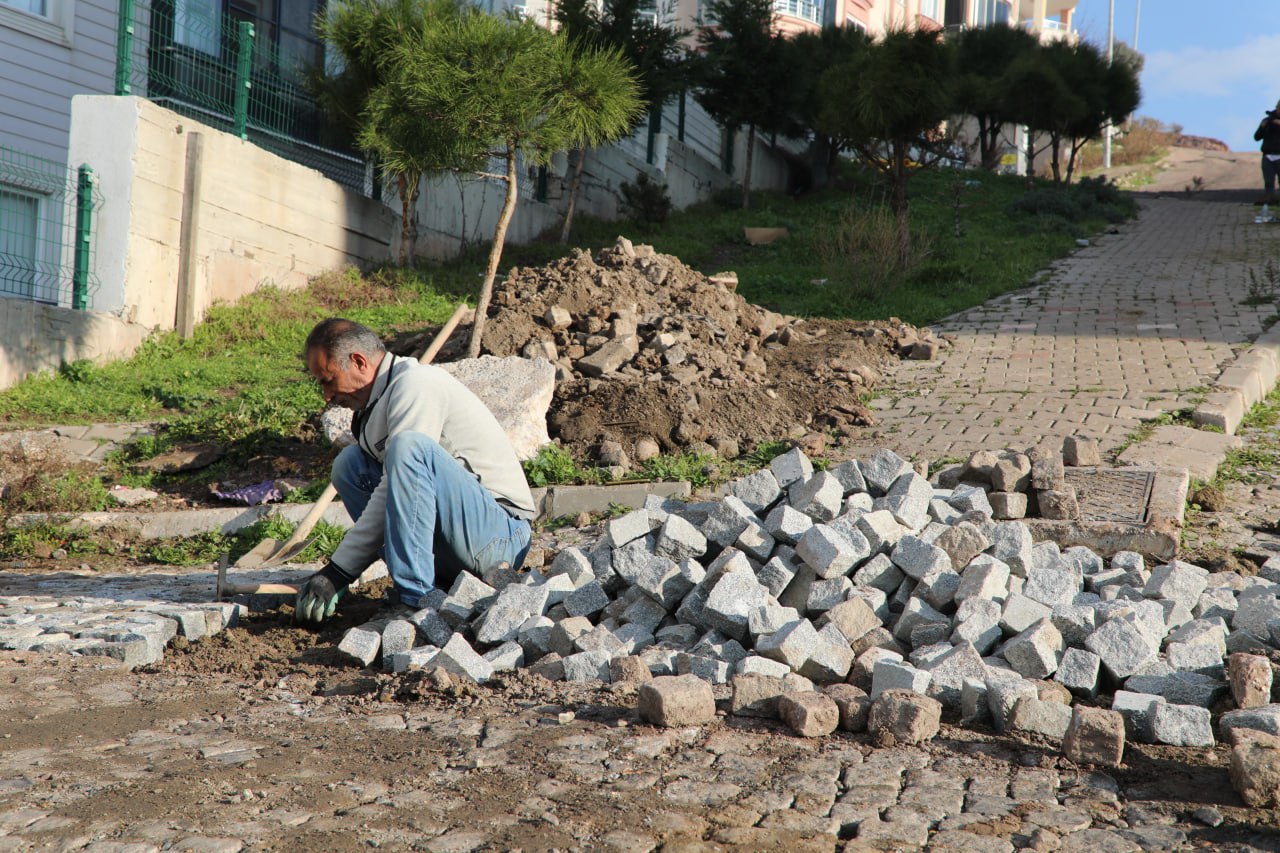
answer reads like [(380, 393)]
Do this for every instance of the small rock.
[(903, 717), (673, 701)]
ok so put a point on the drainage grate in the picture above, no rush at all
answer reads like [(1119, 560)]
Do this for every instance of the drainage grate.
[(1108, 494)]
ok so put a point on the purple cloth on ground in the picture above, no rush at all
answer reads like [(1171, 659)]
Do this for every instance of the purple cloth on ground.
[(258, 493)]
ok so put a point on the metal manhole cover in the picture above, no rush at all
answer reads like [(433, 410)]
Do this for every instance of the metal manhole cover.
[(1108, 494)]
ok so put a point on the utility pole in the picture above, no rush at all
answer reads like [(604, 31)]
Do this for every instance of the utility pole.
[(1137, 19), (1111, 43)]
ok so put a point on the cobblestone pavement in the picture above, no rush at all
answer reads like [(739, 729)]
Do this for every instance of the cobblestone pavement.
[(1140, 322), (163, 762)]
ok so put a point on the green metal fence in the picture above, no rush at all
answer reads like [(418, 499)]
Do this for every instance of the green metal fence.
[(47, 218), (239, 74)]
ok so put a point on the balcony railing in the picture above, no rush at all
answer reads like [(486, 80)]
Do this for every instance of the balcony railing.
[(806, 9)]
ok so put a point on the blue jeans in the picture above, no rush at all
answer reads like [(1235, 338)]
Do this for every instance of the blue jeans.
[(439, 519)]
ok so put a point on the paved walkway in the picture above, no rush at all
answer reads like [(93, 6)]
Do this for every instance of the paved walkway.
[(1140, 322)]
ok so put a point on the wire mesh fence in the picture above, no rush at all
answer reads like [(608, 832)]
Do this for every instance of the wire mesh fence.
[(47, 218), (240, 74)]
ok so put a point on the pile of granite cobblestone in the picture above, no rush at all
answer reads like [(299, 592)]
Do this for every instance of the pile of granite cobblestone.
[(865, 597)]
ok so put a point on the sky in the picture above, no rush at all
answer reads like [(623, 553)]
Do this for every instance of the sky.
[(1213, 68)]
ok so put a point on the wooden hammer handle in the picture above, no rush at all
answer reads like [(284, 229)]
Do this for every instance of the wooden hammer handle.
[(258, 589)]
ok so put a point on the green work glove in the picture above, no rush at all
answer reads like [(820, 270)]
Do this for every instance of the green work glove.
[(318, 597)]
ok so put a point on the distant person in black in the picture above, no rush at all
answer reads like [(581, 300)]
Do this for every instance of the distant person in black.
[(1268, 134)]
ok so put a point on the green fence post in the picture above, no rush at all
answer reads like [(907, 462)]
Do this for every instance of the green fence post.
[(124, 48), (680, 116), (84, 210), (244, 63)]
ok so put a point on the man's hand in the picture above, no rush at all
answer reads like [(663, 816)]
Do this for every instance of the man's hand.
[(318, 597)]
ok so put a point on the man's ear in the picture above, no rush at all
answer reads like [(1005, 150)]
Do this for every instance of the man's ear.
[(359, 361)]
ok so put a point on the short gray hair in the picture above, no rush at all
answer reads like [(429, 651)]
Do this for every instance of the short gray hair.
[(338, 338)]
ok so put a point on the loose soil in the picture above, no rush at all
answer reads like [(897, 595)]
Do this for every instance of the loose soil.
[(698, 363)]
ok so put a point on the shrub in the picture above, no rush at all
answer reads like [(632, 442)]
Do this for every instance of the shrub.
[(645, 202)]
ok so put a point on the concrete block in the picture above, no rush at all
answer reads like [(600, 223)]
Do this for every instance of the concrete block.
[(1138, 711), (634, 637), (775, 575), (977, 622), (849, 473), (1265, 719), (1003, 695), (731, 599), (509, 610), (1122, 647), (627, 528), (819, 496), (431, 627), (900, 717), (1078, 671), (1075, 622), (756, 665), (831, 658), (908, 500), (1052, 585), (790, 467), (1095, 736), (853, 704), (792, 645), (629, 668), (1177, 581), (599, 639), (971, 499), (420, 657), (889, 674), (809, 714), (768, 618), (1048, 474), (1181, 725), (881, 530), (1200, 658), (1251, 680), (1034, 652), (679, 540), (831, 554), (588, 666), (1255, 771), (566, 632), (825, 594), (587, 599), (939, 588), (709, 669), (943, 512), (759, 490), (676, 701), (727, 521), (756, 695), (918, 558), (853, 618), (974, 705), (882, 469), (916, 613), (574, 563), (983, 577), (755, 542), (787, 524), (505, 657), (397, 636), (471, 592), (459, 658), (1020, 613), (550, 667), (645, 612), (1011, 543), (1048, 719), (360, 645), (879, 573), (948, 671), (534, 637)]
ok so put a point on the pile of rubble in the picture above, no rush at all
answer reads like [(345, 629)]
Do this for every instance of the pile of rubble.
[(650, 351), (865, 596)]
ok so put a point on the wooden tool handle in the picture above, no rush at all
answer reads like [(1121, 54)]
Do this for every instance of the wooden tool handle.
[(443, 335), (258, 589)]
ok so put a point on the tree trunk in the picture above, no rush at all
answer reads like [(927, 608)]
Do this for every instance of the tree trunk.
[(1055, 163), (1031, 159), (495, 252), (573, 195), (746, 175), (987, 144), (899, 204), (408, 183)]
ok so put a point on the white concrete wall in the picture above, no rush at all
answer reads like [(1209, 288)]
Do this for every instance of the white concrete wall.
[(36, 338), (263, 220)]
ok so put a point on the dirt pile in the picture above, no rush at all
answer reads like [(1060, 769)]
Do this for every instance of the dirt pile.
[(652, 353)]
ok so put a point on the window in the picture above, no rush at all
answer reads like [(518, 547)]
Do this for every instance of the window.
[(931, 9), (19, 221), (51, 20), (197, 24), (987, 12)]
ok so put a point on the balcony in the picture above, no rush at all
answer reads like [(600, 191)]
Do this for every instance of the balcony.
[(804, 9)]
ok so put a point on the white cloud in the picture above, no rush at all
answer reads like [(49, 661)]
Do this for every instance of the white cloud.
[(1195, 71)]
